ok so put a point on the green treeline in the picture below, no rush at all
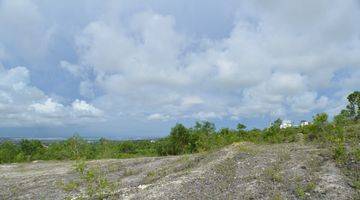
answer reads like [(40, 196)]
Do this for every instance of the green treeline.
[(74, 148), (341, 135)]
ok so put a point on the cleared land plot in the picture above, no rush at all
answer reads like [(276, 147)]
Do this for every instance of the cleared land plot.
[(239, 171)]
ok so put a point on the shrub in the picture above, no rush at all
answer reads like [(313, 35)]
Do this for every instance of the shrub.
[(8, 152)]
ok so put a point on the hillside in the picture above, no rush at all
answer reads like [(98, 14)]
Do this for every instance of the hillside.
[(238, 171)]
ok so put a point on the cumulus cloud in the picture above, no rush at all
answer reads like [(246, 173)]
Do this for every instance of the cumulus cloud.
[(48, 107), (270, 64), (307, 102), (81, 108), (22, 104), (277, 58)]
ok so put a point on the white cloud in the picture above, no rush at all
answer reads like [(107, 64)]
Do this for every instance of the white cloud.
[(24, 105), (191, 101), (84, 109), (307, 102), (158, 116), (48, 107), (26, 34), (280, 58), (270, 64), (206, 115)]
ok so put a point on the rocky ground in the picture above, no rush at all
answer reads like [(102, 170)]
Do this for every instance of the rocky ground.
[(239, 171)]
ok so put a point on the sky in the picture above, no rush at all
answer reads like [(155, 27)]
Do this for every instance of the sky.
[(134, 68)]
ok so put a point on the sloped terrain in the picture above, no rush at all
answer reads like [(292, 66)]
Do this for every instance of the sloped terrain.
[(239, 171)]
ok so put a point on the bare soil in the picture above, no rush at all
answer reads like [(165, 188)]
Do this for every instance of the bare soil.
[(239, 171)]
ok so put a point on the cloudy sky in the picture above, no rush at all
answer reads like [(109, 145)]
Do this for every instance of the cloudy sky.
[(133, 68)]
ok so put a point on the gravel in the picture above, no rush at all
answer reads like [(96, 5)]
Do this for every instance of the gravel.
[(239, 171)]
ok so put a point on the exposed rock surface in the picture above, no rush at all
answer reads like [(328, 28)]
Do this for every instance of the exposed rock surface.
[(239, 171)]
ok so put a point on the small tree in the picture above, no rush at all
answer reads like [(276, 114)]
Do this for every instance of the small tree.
[(8, 152), (318, 127), (342, 118), (241, 130), (77, 148), (277, 123), (320, 121), (354, 105), (240, 127), (205, 127), (32, 149), (179, 138), (271, 132)]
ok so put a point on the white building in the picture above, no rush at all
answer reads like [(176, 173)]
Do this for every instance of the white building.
[(286, 124), (304, 123)]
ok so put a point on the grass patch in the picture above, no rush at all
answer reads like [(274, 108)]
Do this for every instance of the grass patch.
[(130, 172), (246, 149), (299, 191), (302, 190), (356, 184), (284, 156), (92, 180), (153, 176), (277, 196), (273, 173), (70, 186)]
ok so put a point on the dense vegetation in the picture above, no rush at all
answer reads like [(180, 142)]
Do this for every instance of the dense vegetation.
[(341, 136), (74, 148)]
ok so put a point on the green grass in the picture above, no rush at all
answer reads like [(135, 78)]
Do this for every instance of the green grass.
[(93, 181), (299, 191), (70, 186), (274, 173), (302, 190)]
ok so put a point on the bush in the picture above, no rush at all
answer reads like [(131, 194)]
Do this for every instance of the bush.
[(8, 152), (339, 152)]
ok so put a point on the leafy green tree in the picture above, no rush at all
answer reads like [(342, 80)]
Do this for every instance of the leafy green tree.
[(240, 127), (320, 119), (270, 133), (202, 137), (78, 148), (225, 131), (205, 126), (164, 147), (32, 149), (354, 105), (103, 149), (277, 123), (254, 135), (8, 152), (179, 138), (342, 118), (57, 151), (241, 130), (229, 135), (318, 128), (127, 147)]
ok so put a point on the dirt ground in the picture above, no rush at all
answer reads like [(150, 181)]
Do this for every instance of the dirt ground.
[(239, 171)]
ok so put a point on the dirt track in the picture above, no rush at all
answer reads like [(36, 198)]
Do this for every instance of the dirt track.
[(239, 171)]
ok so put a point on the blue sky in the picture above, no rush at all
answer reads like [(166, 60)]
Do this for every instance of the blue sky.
[(135, 68)]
